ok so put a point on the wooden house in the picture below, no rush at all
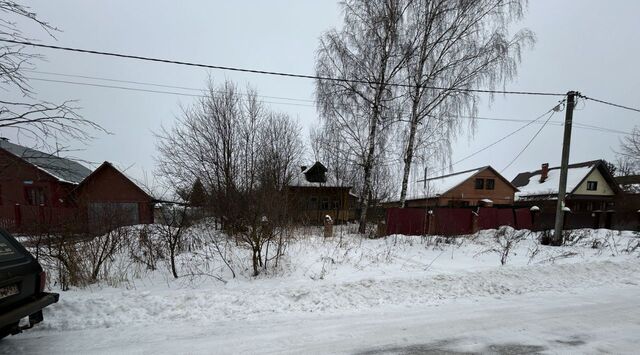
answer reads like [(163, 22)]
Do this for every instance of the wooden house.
[(482, 186), (40, 190), (109, 193), (314, 194), (34, 186)]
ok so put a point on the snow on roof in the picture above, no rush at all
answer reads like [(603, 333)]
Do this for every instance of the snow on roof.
[(550, 186), (300, 180), (439, 185), (64, 170)]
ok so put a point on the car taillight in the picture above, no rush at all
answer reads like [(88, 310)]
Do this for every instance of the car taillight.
[(43, 280)]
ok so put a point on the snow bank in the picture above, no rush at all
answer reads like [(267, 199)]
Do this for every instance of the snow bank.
[(349, 273)]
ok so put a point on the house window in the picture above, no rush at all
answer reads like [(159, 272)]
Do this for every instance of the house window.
[(34, 196), (313, 203), (335, 204), (592, 185), (491, 184), (479, 184), (325, 203)]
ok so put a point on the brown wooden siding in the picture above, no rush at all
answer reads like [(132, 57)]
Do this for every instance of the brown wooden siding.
[(303, 210)]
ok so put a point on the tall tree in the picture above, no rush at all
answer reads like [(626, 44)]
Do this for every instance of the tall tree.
[(366, 57), (455, 45), (244, 155)]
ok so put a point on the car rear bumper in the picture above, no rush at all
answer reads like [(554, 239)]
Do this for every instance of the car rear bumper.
[(14, 315)]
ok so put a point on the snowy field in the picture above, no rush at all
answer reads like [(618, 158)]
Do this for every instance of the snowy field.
[(400, 294)]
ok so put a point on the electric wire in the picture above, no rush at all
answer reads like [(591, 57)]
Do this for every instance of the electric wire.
[(576, 124), (497, 141), (265, 72), (528, 143), (610, 103)]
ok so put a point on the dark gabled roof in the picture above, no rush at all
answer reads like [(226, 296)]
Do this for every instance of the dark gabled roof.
[(107, 165), (316, 176), (578, 173), (63, 170)]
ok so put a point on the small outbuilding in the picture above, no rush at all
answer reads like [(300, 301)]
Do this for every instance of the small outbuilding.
[(109, 193)]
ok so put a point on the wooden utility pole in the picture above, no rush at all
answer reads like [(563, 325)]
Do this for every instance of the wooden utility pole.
[(564, 168)]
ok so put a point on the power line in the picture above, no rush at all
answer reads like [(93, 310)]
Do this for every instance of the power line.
[(148, 90), (528, 143), (577, 125), (503, 138), (610, 103), (265, 72), (154, 84)]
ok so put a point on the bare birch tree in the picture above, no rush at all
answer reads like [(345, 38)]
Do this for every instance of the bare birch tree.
[(455, 46), (366, 56)]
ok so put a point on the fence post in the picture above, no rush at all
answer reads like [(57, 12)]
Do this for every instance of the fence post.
[(328, 226), (474, 221), (534, 212)]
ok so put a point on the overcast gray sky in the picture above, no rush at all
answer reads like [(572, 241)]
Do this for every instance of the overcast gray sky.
[(589, 46)]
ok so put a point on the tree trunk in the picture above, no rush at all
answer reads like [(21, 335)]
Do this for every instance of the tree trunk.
[(172, 256), (368, 166), (255, 262), (408, 157)]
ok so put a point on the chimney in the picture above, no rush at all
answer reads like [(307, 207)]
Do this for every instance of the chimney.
[(544, 174)]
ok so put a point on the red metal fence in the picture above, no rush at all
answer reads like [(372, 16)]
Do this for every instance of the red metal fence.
[(409, 221), (454, 221)]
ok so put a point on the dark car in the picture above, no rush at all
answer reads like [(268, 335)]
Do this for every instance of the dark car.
[(22, 283)]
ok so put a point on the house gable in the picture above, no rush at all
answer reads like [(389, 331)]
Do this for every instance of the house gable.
[(461, 187), (109, 184), (502, 192), (316, 173), (602, 189)]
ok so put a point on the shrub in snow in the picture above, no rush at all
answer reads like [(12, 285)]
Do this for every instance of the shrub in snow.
[(505, 239)]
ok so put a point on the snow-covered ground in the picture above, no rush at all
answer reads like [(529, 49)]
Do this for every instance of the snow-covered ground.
[(353, 295)]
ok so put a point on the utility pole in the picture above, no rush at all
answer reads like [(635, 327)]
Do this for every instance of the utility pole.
[(564, 168)]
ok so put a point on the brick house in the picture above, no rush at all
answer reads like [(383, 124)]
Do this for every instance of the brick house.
[(313, 194), (482, 186), (38, 189)]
